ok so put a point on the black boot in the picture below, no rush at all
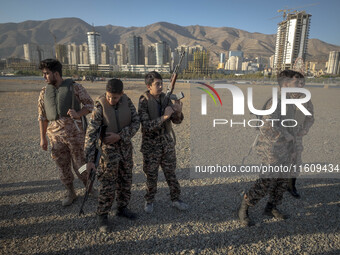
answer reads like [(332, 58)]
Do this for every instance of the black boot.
[(292, 189), (125, 212), (103, 223), (272, 211), (243, 214)]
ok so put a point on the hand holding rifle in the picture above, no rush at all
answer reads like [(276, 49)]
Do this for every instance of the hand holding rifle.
[(91, 167), (169, 96)]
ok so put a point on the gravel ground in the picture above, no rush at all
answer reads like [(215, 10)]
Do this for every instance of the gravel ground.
[(32, 220)]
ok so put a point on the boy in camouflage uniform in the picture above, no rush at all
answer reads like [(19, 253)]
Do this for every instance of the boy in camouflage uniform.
[(115, 111), (302, 129), (158, 146), (275, 146), (59, 117)]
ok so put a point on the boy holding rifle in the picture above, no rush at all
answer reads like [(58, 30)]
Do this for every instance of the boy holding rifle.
[(156, 112), (116, 112)]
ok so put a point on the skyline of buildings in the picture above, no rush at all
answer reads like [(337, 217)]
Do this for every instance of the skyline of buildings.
[(294, 30)]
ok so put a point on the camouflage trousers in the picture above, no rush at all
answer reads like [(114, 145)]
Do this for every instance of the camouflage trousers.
[(67, 150), (115, 177), (167, 160), (298, 149), (275, 187)]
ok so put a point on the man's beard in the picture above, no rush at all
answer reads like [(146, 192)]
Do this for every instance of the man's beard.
[(53, 81)]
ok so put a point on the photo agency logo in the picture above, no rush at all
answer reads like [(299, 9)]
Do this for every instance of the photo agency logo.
[(280, 98), (204, 97)]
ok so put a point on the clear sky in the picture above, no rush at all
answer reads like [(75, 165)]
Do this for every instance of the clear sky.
[(249, 15)]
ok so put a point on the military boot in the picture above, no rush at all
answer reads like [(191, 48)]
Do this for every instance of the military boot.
[(70, 195), (272, 211), (292, 189), (243, 214), (103, 223), (125, 212)]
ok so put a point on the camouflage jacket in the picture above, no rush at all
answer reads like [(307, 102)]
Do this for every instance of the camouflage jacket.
[(126, 133), (153, 135), (304, 122), (272, 145)]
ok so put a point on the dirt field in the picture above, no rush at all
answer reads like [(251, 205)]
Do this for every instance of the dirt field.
[(32, 220)]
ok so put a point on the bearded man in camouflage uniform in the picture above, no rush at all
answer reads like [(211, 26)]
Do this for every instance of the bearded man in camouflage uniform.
[(158, 146), (115, 111), (276, 147), (60, 115)]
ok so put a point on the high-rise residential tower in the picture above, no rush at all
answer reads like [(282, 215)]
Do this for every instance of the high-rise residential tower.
[(121, 56), (162, 53), (136, 50), (35, 53), (84, 54), (94, 44), (333, 62), (73, 54), (104, 51), (291, 40)]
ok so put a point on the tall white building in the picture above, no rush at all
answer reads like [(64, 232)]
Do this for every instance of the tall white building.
[(73, 54), (333, 66), (84, 54), (135, 50), (150, 55), (94, 43), (162, 53), (105, 53), (291, 40), (35, 53), (234, 63), (120, 54)]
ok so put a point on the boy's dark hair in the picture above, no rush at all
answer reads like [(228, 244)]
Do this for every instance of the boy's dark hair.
[(286, 75), (151, 76), (114, 86), (52, 64)]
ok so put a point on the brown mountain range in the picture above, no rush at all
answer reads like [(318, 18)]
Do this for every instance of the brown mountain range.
[(216, 39)]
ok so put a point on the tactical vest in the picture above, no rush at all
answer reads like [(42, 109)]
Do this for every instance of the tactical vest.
[(59, 100), (155, 108), (300, 118), (116, 117)]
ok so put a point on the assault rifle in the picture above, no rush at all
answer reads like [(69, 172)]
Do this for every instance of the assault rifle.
[(169, 96), (92, 174)]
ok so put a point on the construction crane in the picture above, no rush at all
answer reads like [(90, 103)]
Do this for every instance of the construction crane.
[(285, 12)]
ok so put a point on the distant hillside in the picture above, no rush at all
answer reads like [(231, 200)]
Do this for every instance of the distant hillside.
[(67, 30)]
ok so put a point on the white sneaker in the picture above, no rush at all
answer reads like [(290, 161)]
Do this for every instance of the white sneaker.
[(148, 208), (180, 205)]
